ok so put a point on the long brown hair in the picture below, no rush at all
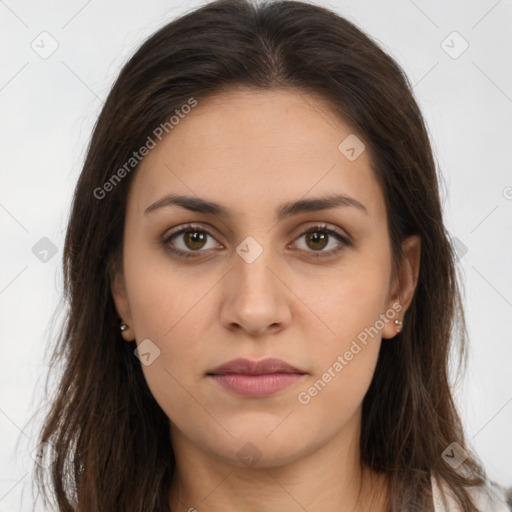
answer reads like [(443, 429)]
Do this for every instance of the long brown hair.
[(111, 438)]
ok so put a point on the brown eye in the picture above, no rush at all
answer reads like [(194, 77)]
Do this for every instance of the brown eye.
[(194, 239), (189, 240), (317, 238)]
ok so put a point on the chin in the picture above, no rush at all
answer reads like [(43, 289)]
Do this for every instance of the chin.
[(261, 448), (254, 455)]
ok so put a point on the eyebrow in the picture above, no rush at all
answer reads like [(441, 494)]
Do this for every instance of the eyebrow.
[(196, 204)]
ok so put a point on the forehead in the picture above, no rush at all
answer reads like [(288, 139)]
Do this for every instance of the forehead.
[(246, 147)]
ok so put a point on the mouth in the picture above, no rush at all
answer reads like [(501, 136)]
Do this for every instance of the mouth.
[(255, 379)]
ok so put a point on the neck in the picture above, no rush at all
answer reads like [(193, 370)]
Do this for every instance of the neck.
[(330, 478)]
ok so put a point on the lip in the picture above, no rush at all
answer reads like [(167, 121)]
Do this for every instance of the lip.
[(255, 378), (248, 367)]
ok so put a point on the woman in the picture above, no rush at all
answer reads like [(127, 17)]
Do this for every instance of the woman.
[(262, 293)]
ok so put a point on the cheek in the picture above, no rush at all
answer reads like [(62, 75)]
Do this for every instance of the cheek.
[(331, 400), (163, 294), (345, 358), (170, 321), (171, 377), (349, 300), (165, 305), (351, 307)]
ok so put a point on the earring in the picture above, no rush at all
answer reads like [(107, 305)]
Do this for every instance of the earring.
[(398, 323), (124, 327)]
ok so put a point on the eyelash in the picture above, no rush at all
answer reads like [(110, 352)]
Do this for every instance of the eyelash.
[(344, 242)]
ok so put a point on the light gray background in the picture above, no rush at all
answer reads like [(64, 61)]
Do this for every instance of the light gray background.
[(48, 109)]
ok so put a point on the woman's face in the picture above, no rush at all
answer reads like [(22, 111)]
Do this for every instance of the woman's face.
[(255, 284)]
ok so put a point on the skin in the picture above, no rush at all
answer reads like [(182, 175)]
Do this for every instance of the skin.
[(251, 151)]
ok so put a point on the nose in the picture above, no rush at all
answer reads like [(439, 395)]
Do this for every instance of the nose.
[(256, 298)]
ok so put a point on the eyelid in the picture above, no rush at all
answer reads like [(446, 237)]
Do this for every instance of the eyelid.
[(325, 226), (343, 238), (183, 229)]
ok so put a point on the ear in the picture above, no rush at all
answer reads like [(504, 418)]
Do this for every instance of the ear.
[(404, 286), (120, 297)]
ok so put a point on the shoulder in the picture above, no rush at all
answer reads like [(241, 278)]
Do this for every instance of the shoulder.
[(489, 498)]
